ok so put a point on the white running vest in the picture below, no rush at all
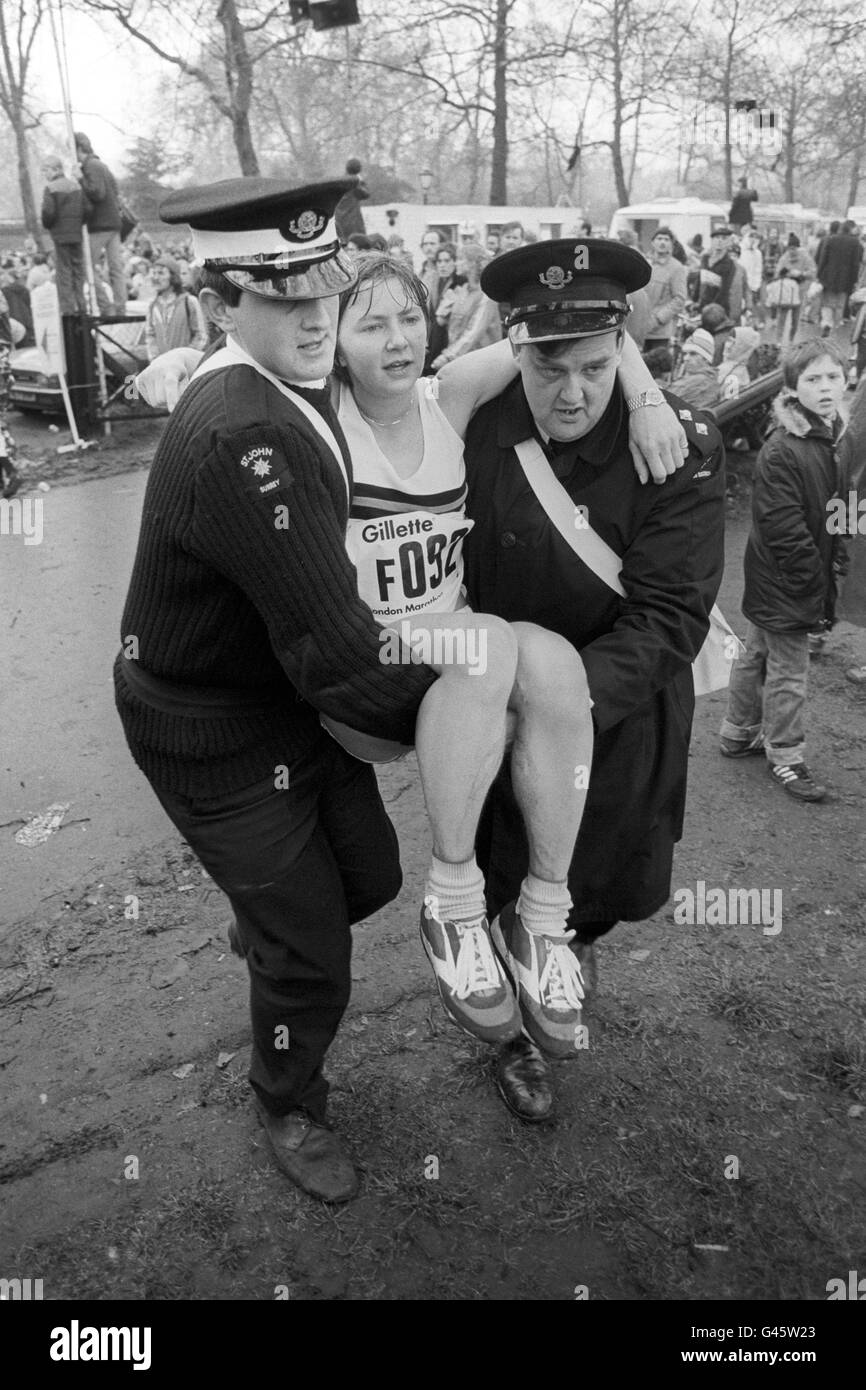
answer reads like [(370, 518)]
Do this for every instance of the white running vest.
[(405, 535)]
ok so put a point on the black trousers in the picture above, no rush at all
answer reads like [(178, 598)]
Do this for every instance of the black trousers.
[(299, 866)]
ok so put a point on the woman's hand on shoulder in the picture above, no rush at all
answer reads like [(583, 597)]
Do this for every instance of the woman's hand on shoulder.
[(657, 442)]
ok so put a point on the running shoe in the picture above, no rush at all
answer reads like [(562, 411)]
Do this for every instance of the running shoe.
[(547, 979), (472, 985), (797, 781)]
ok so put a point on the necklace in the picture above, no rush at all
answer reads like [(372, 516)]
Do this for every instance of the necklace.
[(388, 423)]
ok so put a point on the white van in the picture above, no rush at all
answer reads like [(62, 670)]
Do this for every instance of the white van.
[(687, 217), (459, 221)]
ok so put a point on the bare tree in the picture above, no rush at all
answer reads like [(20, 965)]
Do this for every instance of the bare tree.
[(18, 29), (229, 50)]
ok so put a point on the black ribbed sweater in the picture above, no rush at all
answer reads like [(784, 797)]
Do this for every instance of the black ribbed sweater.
[(225, 596)]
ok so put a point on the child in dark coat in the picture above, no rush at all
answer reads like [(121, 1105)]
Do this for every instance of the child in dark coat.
[(789, 568)]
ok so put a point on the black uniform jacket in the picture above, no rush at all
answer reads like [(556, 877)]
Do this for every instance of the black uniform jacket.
[(637, 649)]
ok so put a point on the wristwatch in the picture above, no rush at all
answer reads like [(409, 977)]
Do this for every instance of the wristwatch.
[(651, 397)]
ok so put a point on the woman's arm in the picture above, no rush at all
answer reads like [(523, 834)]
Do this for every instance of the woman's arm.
[(162, 383), (656, 438)]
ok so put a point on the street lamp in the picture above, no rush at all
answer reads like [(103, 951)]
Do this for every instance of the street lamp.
[(425, 178)]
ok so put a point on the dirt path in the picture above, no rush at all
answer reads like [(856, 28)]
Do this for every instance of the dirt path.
[(709, 1144)]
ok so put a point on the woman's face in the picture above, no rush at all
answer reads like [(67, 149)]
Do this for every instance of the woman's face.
[(445, 264), (382, 339), (160, 277)]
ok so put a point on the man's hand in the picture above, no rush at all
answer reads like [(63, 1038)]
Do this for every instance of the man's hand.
[(657, 442), (163, 382)]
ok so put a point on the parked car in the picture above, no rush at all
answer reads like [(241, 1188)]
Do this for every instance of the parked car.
[(123, 353)]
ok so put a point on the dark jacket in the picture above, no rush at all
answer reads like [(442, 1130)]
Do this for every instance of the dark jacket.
[(716, 280), (789, 556), (636, 649), (348, 214), (17, 298), (64, 210), (852, 461), (839, 262), (741, 214), (100, 187), (227, 606)]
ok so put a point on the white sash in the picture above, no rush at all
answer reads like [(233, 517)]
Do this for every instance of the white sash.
[(711, 668), (233, 355)]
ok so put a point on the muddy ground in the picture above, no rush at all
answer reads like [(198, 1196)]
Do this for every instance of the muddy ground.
[(709, 1143)]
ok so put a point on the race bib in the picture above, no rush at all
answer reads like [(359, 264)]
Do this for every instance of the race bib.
[(409, 562)]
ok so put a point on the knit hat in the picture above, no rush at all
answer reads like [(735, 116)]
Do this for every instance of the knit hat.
[(701, 342)]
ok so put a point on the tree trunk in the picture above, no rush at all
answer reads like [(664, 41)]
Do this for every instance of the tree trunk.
[(499, 162), (616, 143), (726, 98), (856, 160), (239, 82), (25, 184), (790, 145)]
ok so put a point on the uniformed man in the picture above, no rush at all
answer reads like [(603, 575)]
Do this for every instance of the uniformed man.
[(568, 309), (242, 615)]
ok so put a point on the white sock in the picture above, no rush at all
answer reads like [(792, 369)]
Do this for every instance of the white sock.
[(544, 906), (455, 892)]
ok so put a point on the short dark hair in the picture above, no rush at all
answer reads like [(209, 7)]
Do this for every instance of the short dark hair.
[(375, 269), (449, 248), (359, 240), (798, 358), (511, 227), (663, 231), (216, 281)]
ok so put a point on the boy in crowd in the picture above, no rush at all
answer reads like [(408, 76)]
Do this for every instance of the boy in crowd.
[(790, 569)]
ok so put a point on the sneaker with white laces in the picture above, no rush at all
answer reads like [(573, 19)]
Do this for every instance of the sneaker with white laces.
[(797, 781), (547, 979), (472, 985)]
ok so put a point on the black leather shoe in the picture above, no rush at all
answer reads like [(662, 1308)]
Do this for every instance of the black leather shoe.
[(523, 1079), (311, 1155)]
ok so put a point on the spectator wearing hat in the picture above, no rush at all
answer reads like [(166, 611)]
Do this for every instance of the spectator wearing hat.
[(565, 419), (243, 620), (64, 209), (734, 370), (717, 271), (666, 290), (103, 222), (174, 316), (698, 380)]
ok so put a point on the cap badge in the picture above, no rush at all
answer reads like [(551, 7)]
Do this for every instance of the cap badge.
[(307, 225), (555, 277), (581, 258)]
